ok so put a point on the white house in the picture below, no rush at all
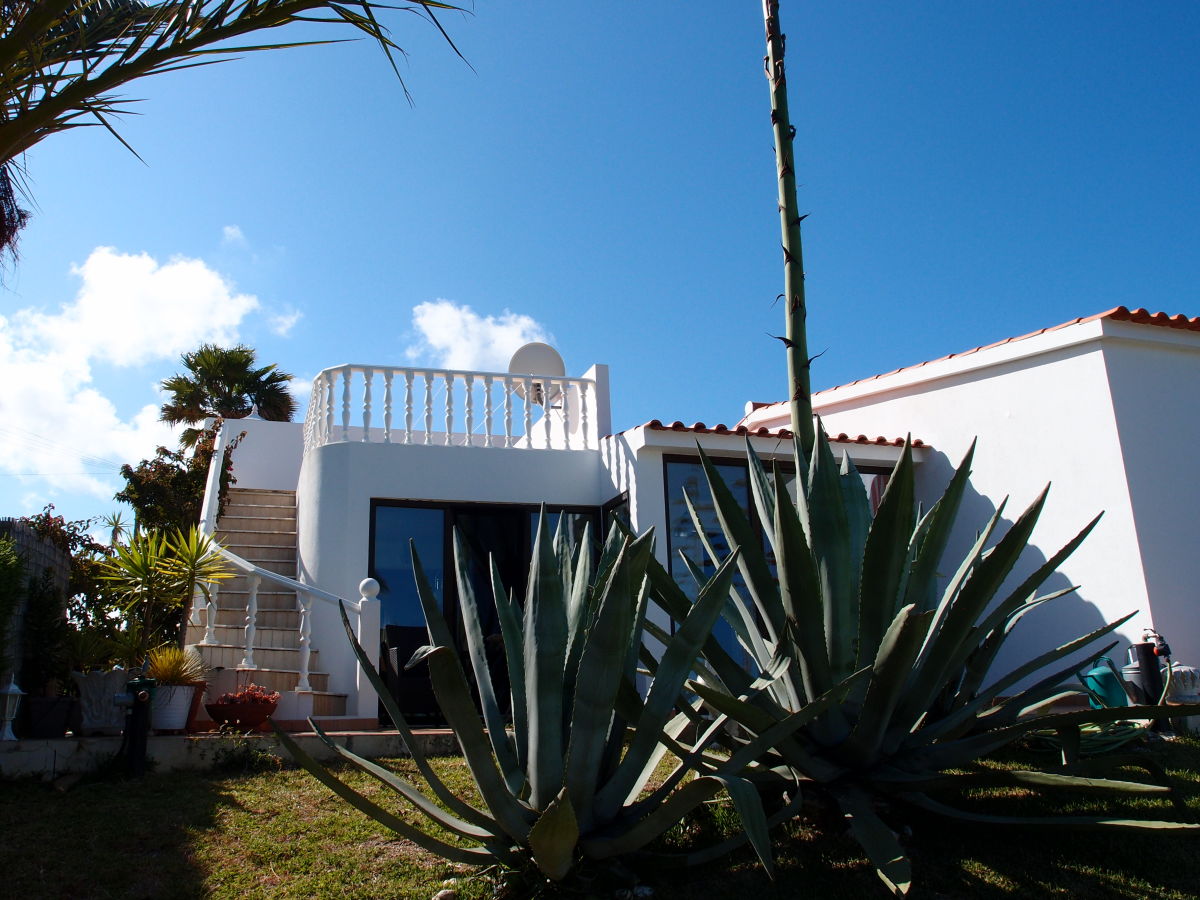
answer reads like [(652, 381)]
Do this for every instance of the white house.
[(386, 454)]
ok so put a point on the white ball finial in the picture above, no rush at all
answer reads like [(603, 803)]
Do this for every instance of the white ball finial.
[(368, 588)]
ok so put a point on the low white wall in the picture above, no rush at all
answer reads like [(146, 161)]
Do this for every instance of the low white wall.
[(268, 457)]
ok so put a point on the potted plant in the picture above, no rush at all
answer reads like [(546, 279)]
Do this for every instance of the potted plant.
[(180, 675), (92, 653), (244, 710)]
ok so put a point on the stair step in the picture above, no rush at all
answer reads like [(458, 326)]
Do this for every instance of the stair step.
[(239, 600), (256, 533), (240, 496), (282, 679), (264, 638), (259, 551), (230, 656), (278, 566), (327, 704), (266, 618)]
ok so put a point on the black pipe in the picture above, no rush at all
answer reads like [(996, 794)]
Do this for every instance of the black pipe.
[(1149, 679)]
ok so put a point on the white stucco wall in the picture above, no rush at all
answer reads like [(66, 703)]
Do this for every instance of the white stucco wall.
[(268, 457), (1154, 379), (1045, 409)]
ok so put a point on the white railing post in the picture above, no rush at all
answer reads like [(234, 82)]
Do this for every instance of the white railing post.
[(508, 395), (305, 604), (251, 621), (566, 415), (368, 377), (387, 406), (469, 407), (428, 408), (449, 378), (408, 405), (369, 607), (487, 410), (527, 402), (346, 404)]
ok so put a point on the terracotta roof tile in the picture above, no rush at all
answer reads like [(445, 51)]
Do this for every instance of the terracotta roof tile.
[(781, 434)]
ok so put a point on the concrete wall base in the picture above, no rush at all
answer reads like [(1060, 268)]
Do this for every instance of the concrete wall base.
[(51, 759)]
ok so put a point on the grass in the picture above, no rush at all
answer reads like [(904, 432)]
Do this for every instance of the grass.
[(277, 833)]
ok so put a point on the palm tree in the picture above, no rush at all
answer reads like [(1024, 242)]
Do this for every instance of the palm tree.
[(225, 383), (60, 60)]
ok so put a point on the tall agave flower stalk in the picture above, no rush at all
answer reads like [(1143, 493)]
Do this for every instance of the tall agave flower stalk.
[(856, 609), (795, 339), (567, 781)]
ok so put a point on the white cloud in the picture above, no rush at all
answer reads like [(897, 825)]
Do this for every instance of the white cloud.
[(232, 236), (454, 336), (129, 310), (301, 389), (283, 323)]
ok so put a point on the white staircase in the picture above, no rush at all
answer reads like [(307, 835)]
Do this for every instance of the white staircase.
[(260, 527)]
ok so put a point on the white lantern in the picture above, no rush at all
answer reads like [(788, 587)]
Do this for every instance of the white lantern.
[(10, 699)]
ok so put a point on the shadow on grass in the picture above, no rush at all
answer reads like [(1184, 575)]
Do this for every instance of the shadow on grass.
[(105, 838)]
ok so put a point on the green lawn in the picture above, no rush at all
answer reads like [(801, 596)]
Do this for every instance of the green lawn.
[(280, 834)]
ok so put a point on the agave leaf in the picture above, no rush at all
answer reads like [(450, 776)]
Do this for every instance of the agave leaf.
[(672, 600), (739, 617), (885, 558), (554, 836), (873, 835), (927, 803), (857, 505), (837, 569), (752, 563), (762, 493), (506, 754), (1023, 778), (439, 788), (454, 698), (800, 593), (761, 722), (514, 653), (897, 652), (469, 855), (545, 651), (936, 530), (626, 837), (956, 719), (413, 795), (1011, 607), (601, 671), (677, 661)]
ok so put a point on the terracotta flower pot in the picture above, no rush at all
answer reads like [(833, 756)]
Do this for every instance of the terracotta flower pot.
[(241, 716)]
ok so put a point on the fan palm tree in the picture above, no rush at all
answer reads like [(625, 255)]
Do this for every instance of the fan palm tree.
[(225, 383), (60, 60)]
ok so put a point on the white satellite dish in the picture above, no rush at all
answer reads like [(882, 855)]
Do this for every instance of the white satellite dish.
[(536, 358)]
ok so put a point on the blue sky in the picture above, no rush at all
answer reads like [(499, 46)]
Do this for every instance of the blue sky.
[(602, 174)]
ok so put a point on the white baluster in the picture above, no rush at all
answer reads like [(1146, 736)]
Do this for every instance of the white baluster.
[(566, 415), (428, 408), (408, 405), (508, 395), (304, 602), (346, 404), (583, 416), (210, 616), (251, 621), (469, 405), (328, 417), (547, 393), (487, 410), (368, 377), (528, 383), (387, 406), (449, 408)]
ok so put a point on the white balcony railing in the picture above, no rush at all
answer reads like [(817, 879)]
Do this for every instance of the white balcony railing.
[(444, 407)]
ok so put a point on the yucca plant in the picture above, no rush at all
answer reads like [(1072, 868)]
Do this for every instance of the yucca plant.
[(175, 665), (859, 593), (567, 781), (155, 575)]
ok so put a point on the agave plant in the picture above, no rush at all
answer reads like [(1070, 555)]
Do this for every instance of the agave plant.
[(567, 781), (853, 592)]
